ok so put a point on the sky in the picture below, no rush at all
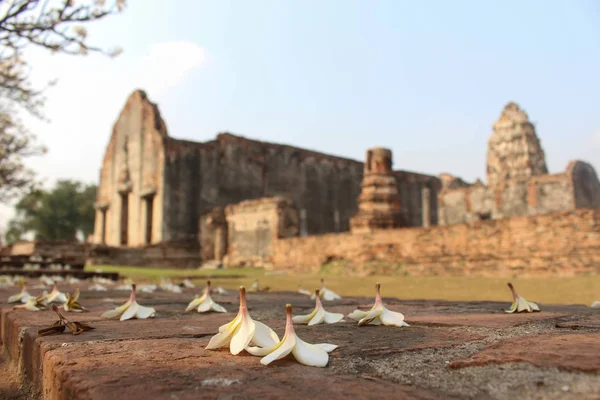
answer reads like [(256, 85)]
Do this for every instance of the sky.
[(426, 79)]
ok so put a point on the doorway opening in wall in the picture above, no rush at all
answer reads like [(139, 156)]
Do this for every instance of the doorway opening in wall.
[(103, 225), (149, 211), (124, 218), (485, 216)]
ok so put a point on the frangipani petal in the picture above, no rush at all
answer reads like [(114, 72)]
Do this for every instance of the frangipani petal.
[(242, 336), (144, 312), (332, 318), (318, 317), (375, 312), (194, 304), (285, 347), (392, 318), (219, 308), (230, 325), (304, 319), (117, 311), (327, 347), (205, 306), (357, 315), (264, 336), (220, 339), (130, 312), (310, 354)]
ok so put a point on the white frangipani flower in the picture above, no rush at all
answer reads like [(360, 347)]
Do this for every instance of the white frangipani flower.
[(101, 280), (97, 287), (378, 314), (318, 315), (45, 280), (71, 280), (33, 304), (596, 304), (313, 355), (6, 281), (242, 331), (168, 286), (220, 290), (205, 303), (301, 290), (56, 296), (326, 294), (20, 297), (188, 284), (131, 309), (519, 303)]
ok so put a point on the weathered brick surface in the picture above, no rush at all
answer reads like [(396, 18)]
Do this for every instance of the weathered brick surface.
[(164, 358), (566, 243), (567, 351)]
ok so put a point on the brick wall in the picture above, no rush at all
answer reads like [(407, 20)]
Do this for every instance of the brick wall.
[(559, 244), (254, 226)]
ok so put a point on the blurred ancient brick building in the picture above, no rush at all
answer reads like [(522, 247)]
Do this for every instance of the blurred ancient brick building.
[(518, 183), (235, 201), (154, 188)]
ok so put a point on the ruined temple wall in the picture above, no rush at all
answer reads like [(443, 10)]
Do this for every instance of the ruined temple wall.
[(411, 187), (555, 244), (201, 176), (135, 151), (541, 194), (254, 225)]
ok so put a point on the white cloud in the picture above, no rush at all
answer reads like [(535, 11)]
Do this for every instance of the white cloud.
[(87, 99)]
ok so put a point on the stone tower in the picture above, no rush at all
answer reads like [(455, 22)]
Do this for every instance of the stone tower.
[(379, 202), (514, 150)]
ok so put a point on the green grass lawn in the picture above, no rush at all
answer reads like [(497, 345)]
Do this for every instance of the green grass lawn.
[(576, 290)]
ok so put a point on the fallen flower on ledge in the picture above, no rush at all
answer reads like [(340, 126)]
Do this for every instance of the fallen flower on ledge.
[(519, 303), (595, 304), (131, 309), (97, 287), (256, 287), (205, 303), (56, 296), (168, 286), (72, 303), (312, 355), (20, 297), (34, 303), (242, 331), (318, 315), (326, 294), (303, 291), (220, 290), (188, 284), (59, 326), (378, 314)]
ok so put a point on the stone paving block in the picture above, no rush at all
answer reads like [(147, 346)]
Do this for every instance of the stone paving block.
[(580, 352), (182, 369), (589, 322), (489, 320)]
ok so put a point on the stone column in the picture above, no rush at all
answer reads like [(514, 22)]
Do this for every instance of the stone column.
[(379, 201), (303, 223), (426, 206)]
